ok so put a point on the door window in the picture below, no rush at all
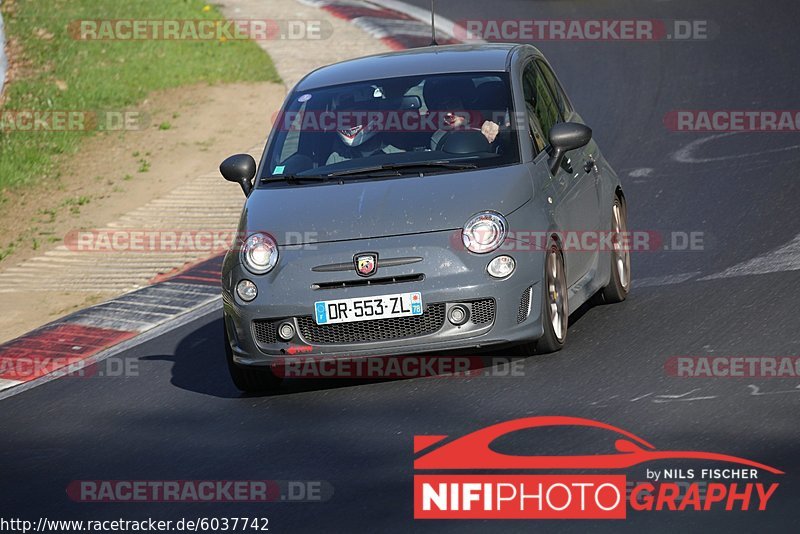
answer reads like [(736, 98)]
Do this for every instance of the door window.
[(542, 109)]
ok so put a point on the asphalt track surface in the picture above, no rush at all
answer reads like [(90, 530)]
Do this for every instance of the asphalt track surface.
[(181, 418)]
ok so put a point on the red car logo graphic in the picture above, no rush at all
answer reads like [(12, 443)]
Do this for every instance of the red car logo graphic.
[(473, 451)]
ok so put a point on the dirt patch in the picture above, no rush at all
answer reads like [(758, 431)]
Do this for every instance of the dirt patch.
[(189, 131)]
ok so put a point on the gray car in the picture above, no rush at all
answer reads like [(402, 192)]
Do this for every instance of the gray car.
[(440, 198)]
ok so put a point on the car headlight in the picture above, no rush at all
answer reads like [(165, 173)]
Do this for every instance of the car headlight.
[(246, 290), (484, 232), (260, 253)]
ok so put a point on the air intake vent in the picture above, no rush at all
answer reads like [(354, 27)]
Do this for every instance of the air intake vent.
[(377, 330), (482, 311), (524, 305), (265, 332)]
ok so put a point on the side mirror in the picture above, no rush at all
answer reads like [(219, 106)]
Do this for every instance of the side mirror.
[(566, 136), (241, 169)]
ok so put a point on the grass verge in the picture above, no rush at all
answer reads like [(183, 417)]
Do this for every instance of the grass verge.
[(55, 72)]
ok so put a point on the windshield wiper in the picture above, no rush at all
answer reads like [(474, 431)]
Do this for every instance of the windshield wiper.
[(405, 166), (296, 178)]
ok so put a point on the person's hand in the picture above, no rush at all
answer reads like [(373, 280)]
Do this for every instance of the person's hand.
[(490, 130)]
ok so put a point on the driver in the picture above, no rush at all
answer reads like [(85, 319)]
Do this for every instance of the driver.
[(440, 96)]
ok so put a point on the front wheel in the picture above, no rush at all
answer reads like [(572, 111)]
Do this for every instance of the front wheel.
[(249, 379), (620, 281), (555, 305)]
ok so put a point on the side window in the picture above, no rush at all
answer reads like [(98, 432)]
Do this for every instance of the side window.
[(546, 107), (555, 88), (530, 93)]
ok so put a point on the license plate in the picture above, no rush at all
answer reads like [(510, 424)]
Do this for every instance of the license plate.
[(368, 308)]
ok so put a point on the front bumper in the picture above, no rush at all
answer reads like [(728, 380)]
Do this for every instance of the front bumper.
[(502, 311)]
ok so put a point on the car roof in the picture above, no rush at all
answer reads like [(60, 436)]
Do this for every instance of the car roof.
[(416, 61)]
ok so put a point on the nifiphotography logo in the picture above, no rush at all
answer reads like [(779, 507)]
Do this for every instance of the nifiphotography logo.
[(467, 478)]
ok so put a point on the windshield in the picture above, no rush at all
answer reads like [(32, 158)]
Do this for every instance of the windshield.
[(394, 127)]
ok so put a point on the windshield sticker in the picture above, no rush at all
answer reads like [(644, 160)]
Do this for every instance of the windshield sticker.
[(305, 98), (279, 169)]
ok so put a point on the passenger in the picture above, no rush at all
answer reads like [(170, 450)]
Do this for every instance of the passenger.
[(362, 140)]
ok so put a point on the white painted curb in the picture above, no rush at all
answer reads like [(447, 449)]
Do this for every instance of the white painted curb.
[(443, 24)]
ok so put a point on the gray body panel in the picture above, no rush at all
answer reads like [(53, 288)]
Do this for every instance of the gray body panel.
[(375, 208), (422, 217)]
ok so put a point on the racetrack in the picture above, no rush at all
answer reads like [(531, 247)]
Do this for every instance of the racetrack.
[(181, 418)]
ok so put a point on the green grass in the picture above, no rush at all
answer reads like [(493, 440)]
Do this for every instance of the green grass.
[(61, 73)]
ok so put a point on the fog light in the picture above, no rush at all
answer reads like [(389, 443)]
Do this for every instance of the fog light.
[(286, 331), (246, 290), (458, 315), (502, 266)]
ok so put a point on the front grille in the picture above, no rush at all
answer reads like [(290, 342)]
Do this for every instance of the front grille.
[(265, 331), (378, 330), (361, 282), (483, 311), (524, 305)]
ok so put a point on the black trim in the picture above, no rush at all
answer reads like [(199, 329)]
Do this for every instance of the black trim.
[(362, 282)]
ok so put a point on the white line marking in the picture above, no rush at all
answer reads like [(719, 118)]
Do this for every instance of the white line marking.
[(687, 153), (756, 392), (679, 395), (5, 383), (784, 258), (690, 399), (664, 280), (443, 24), (382, 27), (644, 172)]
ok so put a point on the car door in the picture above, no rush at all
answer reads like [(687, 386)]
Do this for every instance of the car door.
[(575, 201)]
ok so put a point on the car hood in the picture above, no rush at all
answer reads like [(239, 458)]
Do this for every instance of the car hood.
[(361, 209)]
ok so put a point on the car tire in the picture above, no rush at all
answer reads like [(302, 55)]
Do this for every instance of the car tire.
[(249, 379), (620, 281), (555, 305)]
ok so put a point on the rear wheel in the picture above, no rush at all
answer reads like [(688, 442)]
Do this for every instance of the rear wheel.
[(249, 379), (555, 305), (620, 281)]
